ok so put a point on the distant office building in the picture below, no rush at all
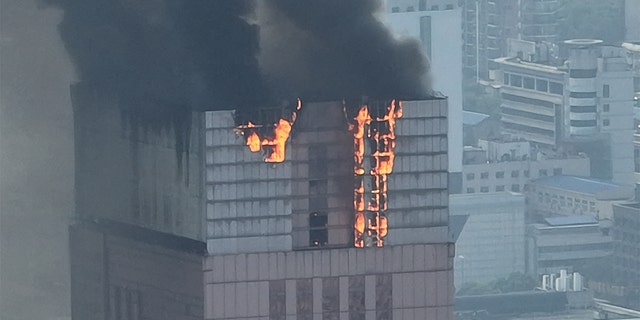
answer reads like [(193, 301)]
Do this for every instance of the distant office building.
[(437, 25), (491, 244), (505, 165), (566, 242), (487, 25), (570, 195), (293, 239), (585, 104)]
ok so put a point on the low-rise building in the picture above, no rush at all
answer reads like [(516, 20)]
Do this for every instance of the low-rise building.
[(497, 166), (565, 242), (571, 195), (491, 244)]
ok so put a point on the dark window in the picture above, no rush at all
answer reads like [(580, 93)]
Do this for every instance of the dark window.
[(605, 91), (304, 298), (526, 114), (500, 174), (505, 78), (499, 188), (435, 7), (277, 299), (422, 5), (484, 189), (471, 176), (411, 9), (557, 171), (605, 122), (384, 294), (535, 102), (516, 81), (515, 187), (583, 109), (519, 127), (515, 173), (395, 9), (318, 233), (582, 73), (449, 7), (555, 88), (529, 83), (526, 173), (484, 175), (470, 190), (330, 298), (356, 298), (583, 123), (542, 172), (542, 85), (582, 94), (605, 107)]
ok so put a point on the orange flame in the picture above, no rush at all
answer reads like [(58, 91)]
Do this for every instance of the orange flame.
[(373, 224), (277, 144), (282, 130)]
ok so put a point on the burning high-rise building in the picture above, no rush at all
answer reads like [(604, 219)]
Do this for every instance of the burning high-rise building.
[(332, 210)]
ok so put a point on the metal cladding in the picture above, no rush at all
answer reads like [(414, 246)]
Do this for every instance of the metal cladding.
[(341, 174)]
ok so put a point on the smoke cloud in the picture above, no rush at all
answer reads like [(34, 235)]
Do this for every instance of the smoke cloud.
[(333, 49), (164, 57)]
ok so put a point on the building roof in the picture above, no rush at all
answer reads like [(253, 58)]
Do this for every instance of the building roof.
[(473, 118), (578, 184), (570, 220)]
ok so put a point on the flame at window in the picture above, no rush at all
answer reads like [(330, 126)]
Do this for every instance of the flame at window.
[(274, 147), (373, 144)]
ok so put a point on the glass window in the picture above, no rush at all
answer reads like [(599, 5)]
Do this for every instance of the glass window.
[(499, 188), (471, 176), (516, 81), (449, 7), (505, 78), (484, 175), (542, 172), (500, 174), (605, 107), (425, 34), (515, 187), (470, 190), (422, 5), (542, 85), (515, 173), (605, 91), (526, 173), (555, 88), (435, 7), (605, 122), (557, 171), (484, 189), (529, 83)]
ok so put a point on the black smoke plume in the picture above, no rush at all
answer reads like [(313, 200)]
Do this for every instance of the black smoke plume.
[(334, 49)]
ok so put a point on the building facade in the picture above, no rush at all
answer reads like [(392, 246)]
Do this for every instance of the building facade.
[(568, 242), (491, 244), (280, 236), (626, 254), (585, 104), (570, 195), (508, 165), (436, 24)]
